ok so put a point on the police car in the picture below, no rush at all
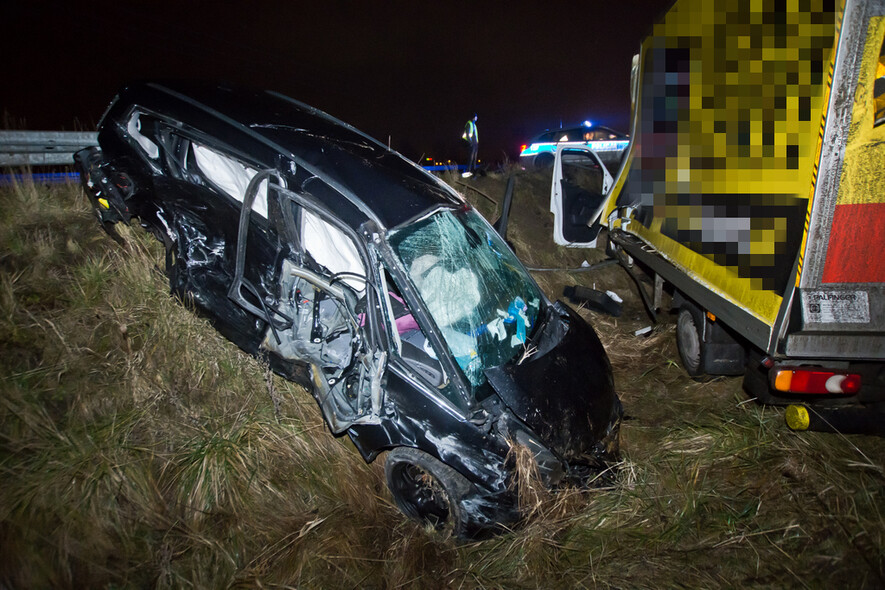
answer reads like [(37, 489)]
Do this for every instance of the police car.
[(609, 145)]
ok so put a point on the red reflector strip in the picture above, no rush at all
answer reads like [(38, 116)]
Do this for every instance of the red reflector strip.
[(854, 254), (813, 381)]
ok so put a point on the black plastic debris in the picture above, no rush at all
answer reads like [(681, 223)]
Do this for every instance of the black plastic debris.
[(595, 300)]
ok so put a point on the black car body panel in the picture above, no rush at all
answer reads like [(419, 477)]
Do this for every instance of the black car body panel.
[(262, 127), (277, 221), (556, 390)]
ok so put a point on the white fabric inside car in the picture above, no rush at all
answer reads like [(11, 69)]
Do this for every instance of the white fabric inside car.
[(230, 176), (134, 130), (332, 248), (327, 244)]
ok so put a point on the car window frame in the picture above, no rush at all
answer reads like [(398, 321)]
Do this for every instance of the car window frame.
[(466, 399), (449, 385)]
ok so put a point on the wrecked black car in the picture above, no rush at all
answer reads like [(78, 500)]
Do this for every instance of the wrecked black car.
[(368, 280)]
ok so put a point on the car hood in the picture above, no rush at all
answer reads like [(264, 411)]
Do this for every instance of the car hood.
[(565, 391)]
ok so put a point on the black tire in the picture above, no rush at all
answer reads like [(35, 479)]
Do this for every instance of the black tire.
[(689, 340), (428, 491)]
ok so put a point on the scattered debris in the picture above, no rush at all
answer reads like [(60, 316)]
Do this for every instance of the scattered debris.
[(606, 302)]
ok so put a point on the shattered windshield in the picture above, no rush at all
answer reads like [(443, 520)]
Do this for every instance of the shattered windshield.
[(478, 294)]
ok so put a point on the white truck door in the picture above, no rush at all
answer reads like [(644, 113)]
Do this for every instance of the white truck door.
[(580, 187)]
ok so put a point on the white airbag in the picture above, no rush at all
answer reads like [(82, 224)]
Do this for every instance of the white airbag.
[(230, 176), (332, 248)]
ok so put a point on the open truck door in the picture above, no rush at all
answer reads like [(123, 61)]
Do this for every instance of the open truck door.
[(581, 188)]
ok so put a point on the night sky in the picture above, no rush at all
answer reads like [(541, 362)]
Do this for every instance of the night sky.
[(408, 72)]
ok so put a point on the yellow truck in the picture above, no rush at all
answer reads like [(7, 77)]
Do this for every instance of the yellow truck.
[(754, 184)]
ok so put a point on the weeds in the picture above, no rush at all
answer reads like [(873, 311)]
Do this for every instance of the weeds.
[(139, 448)]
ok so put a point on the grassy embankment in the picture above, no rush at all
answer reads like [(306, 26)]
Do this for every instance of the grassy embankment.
[(139, 448)]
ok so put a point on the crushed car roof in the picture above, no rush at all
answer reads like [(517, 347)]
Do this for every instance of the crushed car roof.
[(382, 185)]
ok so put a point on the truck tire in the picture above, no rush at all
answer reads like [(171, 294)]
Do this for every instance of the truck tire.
[(690, 340)]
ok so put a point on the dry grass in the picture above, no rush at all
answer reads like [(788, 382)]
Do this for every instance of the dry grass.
[(139, 448)]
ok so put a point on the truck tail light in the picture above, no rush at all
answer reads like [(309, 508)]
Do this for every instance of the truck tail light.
[(814, 380)]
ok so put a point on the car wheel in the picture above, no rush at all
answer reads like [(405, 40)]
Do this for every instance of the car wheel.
[(427, 490), (689, 340), (544, 160)]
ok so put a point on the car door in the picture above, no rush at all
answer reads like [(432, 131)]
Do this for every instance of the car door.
[(196, 190), (323, 310), (581, 184)]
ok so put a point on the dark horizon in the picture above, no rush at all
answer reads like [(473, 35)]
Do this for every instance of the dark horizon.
[(406, 74)]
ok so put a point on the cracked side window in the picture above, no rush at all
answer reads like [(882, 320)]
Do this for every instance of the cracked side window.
[(478, 294)]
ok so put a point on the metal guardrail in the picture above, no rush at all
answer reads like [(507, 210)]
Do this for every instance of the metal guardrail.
[(43, 148)]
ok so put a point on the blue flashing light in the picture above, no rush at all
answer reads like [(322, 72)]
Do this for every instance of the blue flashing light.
[(441, 167), (588, 123)]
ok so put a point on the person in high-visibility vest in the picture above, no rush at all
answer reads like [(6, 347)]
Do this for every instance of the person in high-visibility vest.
[(471, 136)]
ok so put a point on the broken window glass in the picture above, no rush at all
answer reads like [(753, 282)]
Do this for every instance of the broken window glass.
[(479, 295)]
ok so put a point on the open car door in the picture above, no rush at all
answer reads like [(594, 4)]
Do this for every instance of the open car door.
[(312, 318), (581, 185)]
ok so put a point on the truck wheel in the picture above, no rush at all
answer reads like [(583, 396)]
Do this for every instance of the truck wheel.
[(428, 490), (690, 341)]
